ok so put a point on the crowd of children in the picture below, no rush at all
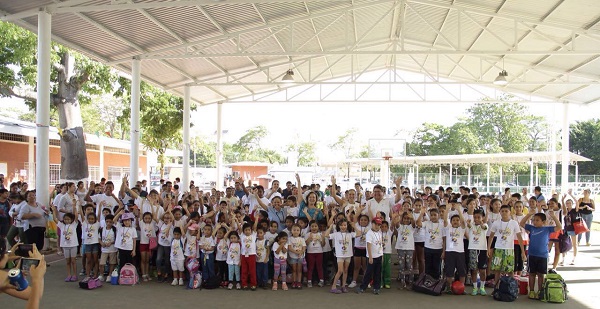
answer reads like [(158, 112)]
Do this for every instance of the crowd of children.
[(249, 237)]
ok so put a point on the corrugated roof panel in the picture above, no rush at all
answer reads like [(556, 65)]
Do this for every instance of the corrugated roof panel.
[(134, 27), (161, 73), (417, 29), (304, 39), (374, 23), (578, 15), (233, 63), (537, 8), (588, 94), (566, 63), (261, 40), (234, 17), (187, 22), (332, 32), (320, 6), (275, 12), (195, 67), (23, 5), (591, 68)]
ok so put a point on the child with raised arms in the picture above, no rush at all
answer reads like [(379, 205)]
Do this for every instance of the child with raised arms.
[(478, 260), (453, 251), (163, 251), (68, 243), (502, 255), (405, 246), (89, 231), (386, 266), (126, 237), (234, 259), (434, 229), (360, 245), (342, 242), (147, 227), (374, 240)]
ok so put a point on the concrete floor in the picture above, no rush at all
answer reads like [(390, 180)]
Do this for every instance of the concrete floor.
[(583, 281)]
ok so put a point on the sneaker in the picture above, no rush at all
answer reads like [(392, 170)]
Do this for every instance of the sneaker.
[(82, 273), (352, 284), (482, 291), (145, 278), (73, 278), (335, 291), (321, 283), (386, 286), (68, 279), (309, 284), (174, 283), (284, 286), (180, 281), (561, 263), (299, 286), (531, 295), (252, 288), (338, 283), (588, 244), (376, 291), (345, 289), (108, 279), (475, 292), (359, 291), (238, 286), (274, 286), (230, 286), (101, 278)]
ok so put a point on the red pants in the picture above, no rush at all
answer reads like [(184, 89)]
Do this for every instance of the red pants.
[(314, 260), (248, 270)]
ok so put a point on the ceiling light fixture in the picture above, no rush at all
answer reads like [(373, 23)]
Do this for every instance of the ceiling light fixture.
[(288, 77), (501, 79)]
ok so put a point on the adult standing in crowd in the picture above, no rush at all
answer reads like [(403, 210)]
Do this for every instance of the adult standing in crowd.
[(586, 208), (5, 221), (35, 226)]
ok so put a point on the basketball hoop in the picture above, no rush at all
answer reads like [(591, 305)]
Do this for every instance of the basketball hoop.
[(387, 158)]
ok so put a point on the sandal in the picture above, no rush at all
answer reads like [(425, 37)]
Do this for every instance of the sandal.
[(335, 291)]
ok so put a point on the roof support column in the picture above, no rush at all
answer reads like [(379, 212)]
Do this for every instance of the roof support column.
[(185, 177), (553, 159), (469, 176), (531, 182), (487, 181), (564, 179), (134, 152), (450, 174), (219, 146), (42, 158)]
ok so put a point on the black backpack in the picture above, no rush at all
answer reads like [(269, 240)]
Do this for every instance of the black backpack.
[(212, 283), (507, 289)]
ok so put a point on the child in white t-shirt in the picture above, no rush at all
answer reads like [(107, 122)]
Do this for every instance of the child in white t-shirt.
[(108, 235), (280, 253), (405, 246), (262, 258), (477, 231), (434, 229), (342, 242), (360, 246), (206, 245), (386, 267), (163, 251), (68, 243), (90, 238), (314, 253), (453, 249), (177, 256), (126, 238), (502, 255), (374, 240), (297, 248), (148, 229), (221, 248), (234, 259)]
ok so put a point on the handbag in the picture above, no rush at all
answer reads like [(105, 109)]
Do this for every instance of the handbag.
[(564, 243), (555, 235), (152, 243), (580, 226), (426, 284)]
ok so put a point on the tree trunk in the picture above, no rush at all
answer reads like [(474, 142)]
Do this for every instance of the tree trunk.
[(73, 154)]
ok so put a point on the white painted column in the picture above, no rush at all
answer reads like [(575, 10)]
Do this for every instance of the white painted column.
[(441, 181), (417, 176), (134, 162), (501, 183), (469, 176), (31, 161), (219, 145), (564, 183), (487, 181), (576, 189), (185, 177), (384, 174), (531, 183), (42, 155), (101, 160), (553, 159), (451, 176)]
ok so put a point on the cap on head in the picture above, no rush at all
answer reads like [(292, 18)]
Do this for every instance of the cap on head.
[(377, 221)]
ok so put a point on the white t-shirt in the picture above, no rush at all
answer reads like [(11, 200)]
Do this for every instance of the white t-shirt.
[(434, 232), (233, 255), (505, 233), (147, 207), (221, 247), (385, 206), (68, 235), (387, 242), (454, 239), (147, 230), (108, 236), (249, 244), (492, 217), (420, 233), (342, 242), (270, 237), (292, 211), (125, 237), (206, 242), (102, 201), (191, 246), (477, 237), (361, 241), (65, 203), (376, 241), (524, 233), (253, 202), (15, 210), (314, 245), (89, 233), (177, 248), (262, 251), (406, 239), (281, 255), (164, 238), (296, 243)]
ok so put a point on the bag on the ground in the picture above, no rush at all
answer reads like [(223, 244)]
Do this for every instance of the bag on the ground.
[(426, 284), (554, 289), (192, 265), (564, 243), (212, 283), (195, 280), (507, 289), (128, 275), (90, 283)]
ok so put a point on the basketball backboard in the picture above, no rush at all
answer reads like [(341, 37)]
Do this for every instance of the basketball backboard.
[(386, 147)]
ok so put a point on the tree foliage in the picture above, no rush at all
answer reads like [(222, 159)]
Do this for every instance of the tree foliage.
[(584, 139), (346, 143), (305, 152), (248, 148), (204, 151)]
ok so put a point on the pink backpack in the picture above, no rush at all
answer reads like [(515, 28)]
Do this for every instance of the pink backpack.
[(128, 275)]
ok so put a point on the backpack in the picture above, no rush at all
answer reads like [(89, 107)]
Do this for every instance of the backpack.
[(128, 275), (192, 264), (212, 283), (90, 283), (507, 289), (554, 289), (195, 280)]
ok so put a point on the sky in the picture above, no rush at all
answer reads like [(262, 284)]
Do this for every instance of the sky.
[(324, 122)]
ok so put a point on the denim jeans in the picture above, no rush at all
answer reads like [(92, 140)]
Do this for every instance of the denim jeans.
[(588, 221), (373, 272), (163, 254), (208, 265), (262, 273), (234, 273)]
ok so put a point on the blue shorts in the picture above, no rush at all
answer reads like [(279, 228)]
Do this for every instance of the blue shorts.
[(571, 233), (93, 248), (294, 261)]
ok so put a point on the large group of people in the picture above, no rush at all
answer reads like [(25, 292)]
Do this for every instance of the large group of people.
[(249, 237)]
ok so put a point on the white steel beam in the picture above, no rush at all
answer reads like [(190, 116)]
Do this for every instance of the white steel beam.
[(134, 162), (42, 155)]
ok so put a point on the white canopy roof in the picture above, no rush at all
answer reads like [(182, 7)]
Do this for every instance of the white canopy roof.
[(492, 158), (230, 49)]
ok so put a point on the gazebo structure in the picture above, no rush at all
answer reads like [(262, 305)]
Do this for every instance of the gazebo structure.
[(220, 51)]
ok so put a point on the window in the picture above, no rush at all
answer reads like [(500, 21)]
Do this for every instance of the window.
[(54, 174), (116, 173), (95, 173)]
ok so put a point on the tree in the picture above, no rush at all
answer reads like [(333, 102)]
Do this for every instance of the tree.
[(74, 78), (205, 152), (305, 152), (584, 140), (248, 148), (538, 131), (346, 144)]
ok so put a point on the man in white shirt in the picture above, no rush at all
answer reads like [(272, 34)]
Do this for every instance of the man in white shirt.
[(379, 204), (107, 200)]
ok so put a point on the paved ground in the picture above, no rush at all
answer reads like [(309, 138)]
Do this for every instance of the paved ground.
[(583, 281)]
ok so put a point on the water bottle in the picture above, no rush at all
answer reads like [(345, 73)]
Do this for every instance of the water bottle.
[(114, 277), (478, 282)]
